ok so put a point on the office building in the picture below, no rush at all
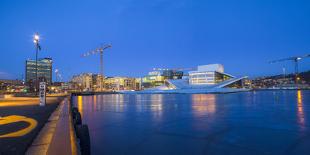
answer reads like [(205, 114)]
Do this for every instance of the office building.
[(44, 71)]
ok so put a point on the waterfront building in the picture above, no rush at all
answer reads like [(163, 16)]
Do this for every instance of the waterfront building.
[(208, 74), (44, 71), (172, 74), (97, 82), (206, 79), (153, 79), (121, 83), (84, 82)]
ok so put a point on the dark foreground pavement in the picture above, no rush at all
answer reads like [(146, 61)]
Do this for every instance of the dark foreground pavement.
[(18, 145)]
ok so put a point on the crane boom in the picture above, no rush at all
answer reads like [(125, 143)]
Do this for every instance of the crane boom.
[(285, 59), (97, 50), (295, 59), (100, 51)]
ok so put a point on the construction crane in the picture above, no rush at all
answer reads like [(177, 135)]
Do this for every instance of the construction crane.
[(100, 51), (295, 59)]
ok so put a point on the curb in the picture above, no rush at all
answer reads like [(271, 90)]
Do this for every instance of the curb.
[(42, 141)]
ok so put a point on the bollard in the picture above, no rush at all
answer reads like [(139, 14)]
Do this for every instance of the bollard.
[(84, 139)]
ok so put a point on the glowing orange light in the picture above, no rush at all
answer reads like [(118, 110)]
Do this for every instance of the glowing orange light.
[(203, 103), (80, 105), (300, 110)]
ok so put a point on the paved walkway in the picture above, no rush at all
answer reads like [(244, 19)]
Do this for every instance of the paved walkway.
[(23, 108)]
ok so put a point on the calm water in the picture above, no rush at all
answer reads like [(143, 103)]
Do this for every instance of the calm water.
[(261, 122)]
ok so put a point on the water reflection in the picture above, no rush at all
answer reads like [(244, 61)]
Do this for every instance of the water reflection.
[(80, 105), (157, 106), (139, 104), (203, 104), (95, 102), (118, 100), (300, 110), (156, 102)]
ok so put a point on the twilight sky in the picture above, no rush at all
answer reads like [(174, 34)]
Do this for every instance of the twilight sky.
[(243, 35)]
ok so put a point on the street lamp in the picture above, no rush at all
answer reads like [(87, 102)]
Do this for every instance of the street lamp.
[(36, 39)]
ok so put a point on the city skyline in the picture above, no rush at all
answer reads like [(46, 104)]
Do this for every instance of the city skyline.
[(166, 34)]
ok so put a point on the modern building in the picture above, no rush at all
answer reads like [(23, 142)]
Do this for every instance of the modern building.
[(172, 74), (121, 83), (206, 79), (44, 71), (84, 82), (87, 82), (97, 82), (208, 74), (153, 79)]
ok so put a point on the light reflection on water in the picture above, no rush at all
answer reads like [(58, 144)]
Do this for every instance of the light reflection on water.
[(300, 110), (244, 119), (118, 100), (157, 106), (198, 105), (203, 104), (80, 104)]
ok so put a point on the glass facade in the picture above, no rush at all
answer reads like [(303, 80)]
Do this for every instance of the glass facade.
[(197, 78), (121, 83), (44, 70), (172, 74), (202, 78), (152, 81)]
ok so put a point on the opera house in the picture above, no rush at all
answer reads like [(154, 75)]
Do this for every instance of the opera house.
[(206, 79)]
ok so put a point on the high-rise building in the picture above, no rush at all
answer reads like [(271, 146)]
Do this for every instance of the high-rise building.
[(44, 71)]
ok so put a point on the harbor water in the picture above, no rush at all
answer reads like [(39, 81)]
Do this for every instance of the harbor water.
[(256, 122)]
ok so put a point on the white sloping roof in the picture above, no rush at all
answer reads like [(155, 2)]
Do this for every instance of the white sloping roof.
[(228, 82), (183, 84)]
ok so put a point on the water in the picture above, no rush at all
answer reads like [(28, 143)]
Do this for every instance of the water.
[(261, 122)]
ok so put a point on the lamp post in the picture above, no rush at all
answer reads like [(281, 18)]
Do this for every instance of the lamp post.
[(36, 39)]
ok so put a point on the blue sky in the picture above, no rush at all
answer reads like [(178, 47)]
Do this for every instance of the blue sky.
[(243, 35)]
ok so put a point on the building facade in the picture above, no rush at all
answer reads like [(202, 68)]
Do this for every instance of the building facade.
[(121, 83), (153, 79), (208, 75), (87, 82), (172, 74), (83, 82), (44, 71)]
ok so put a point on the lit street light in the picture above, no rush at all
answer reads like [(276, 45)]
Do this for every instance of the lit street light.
[(36, 39)]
